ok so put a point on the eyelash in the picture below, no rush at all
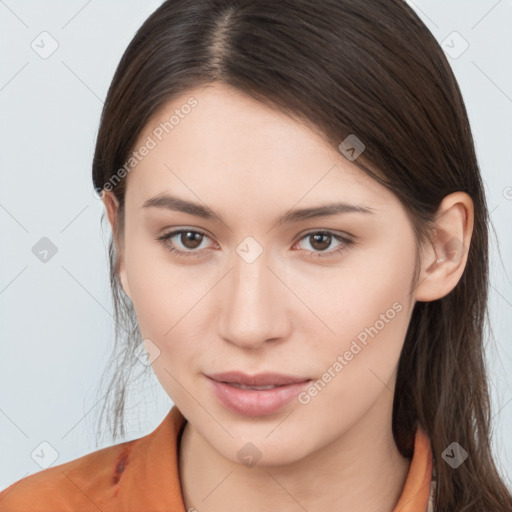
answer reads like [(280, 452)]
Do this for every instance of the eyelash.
[(346, 243)]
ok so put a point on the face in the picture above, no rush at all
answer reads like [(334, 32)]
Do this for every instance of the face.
[(243, 282)]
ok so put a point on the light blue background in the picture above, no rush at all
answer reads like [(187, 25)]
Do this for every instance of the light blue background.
[(57, 329)]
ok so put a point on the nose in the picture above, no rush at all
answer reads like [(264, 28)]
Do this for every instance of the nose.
[(255, 306)]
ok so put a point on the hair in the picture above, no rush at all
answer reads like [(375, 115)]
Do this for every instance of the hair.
[(372, 69)]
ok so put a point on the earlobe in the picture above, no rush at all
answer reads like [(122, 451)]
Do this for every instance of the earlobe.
[(111, 204), (444, 260)]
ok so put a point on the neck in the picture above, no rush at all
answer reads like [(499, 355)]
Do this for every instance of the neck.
[(361, 471)]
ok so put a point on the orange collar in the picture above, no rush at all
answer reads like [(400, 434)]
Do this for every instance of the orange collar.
[(418, 485)]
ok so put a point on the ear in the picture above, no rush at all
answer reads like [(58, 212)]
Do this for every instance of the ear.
[(444, 259), (111, 204)]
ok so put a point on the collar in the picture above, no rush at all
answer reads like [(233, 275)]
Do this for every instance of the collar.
[(419, 488)]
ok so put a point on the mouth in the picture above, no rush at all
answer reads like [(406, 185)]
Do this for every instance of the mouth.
[(258, 388), (257, 380), (256, 395)]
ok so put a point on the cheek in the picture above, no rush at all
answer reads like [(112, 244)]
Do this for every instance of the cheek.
[(357, 367), (171, 303), (163, 299), (366, 306), (161, 291)]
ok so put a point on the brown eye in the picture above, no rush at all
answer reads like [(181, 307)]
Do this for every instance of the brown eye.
[(191, 239), (320, 241), (184, 242)]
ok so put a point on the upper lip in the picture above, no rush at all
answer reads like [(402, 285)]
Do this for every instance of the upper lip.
[(260, 379)]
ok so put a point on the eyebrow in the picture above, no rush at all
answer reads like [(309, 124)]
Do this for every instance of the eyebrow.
[(174, 203)]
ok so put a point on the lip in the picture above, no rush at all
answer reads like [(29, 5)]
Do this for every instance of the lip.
[(260, 379), (251, 402)]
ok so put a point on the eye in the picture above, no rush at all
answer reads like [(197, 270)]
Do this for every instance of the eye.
[(187, 242), (320, 241), (190, 240)]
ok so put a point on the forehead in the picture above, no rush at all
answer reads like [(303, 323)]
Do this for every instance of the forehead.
[(218, 143)]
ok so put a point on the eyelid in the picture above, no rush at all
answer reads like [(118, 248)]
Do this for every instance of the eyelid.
[(333, 232)]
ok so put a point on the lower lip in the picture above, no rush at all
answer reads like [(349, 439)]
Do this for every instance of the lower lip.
[(253, 402)]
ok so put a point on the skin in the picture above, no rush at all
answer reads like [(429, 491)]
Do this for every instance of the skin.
[(289, 311)]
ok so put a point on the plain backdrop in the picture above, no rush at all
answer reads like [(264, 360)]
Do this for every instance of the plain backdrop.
[(57, 60)]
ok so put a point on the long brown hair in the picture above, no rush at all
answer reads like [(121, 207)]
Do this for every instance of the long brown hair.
[(346, 67)]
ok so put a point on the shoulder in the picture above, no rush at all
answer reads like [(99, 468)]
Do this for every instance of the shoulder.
[(81, 484), (141, 474)]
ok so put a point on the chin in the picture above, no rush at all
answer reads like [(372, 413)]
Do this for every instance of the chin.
[(268, 453)]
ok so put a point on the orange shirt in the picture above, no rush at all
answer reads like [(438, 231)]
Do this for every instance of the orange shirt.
[(142, 476)]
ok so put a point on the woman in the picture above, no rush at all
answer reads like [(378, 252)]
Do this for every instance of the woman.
[(300, 239)]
